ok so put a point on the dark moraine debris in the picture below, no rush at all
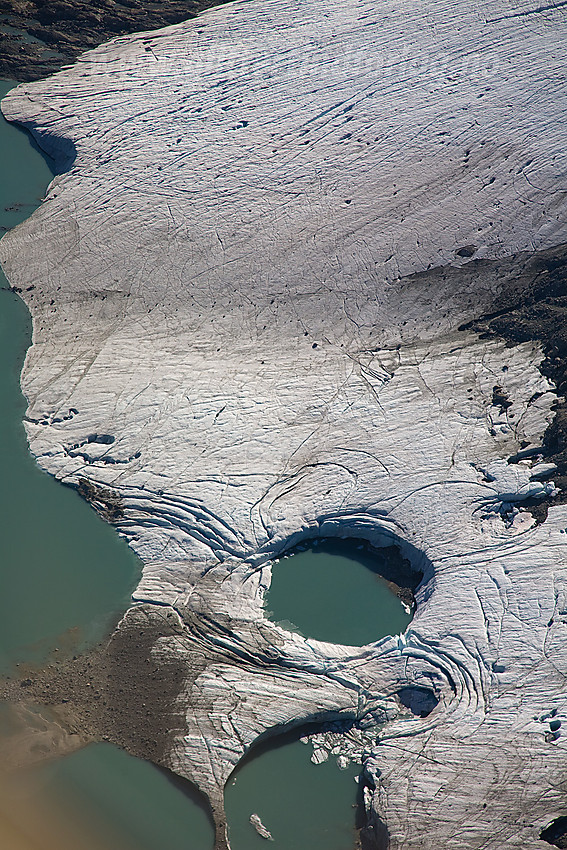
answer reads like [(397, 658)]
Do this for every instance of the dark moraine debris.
[(398, 572), (105, 501), (61, 30), (319, 482), (556, 833), (538, 311), (500, 399), (124, 691)]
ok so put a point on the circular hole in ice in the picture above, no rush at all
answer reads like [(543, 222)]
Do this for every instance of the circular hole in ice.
[(341, 591)]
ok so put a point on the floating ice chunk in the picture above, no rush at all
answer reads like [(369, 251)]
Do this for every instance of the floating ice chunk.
[(319, 755), (260, 828)]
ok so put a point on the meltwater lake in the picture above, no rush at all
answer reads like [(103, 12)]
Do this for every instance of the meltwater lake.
[(65, 574), (65, 579), (342, 599)]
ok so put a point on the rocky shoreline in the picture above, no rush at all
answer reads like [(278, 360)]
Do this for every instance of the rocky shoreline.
[(37, 38)]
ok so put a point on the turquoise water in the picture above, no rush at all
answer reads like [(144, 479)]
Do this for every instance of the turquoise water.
[(65, 575), (304, 806), (332, 592), (124, 803), (100, 798)]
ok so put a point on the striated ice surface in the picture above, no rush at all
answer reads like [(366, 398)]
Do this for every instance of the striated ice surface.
[(246, 290)]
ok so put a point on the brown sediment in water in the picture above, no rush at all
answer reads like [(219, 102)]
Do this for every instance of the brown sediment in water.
[(33, 819), (37, 813), (33, 815), (122, 691)]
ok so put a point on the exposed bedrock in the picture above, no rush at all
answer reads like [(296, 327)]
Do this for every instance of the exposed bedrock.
[(62, 29), (246, 292)]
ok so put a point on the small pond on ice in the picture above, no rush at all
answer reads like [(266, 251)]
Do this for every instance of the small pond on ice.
[(332, 590), (62, 569), (303, 805)]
